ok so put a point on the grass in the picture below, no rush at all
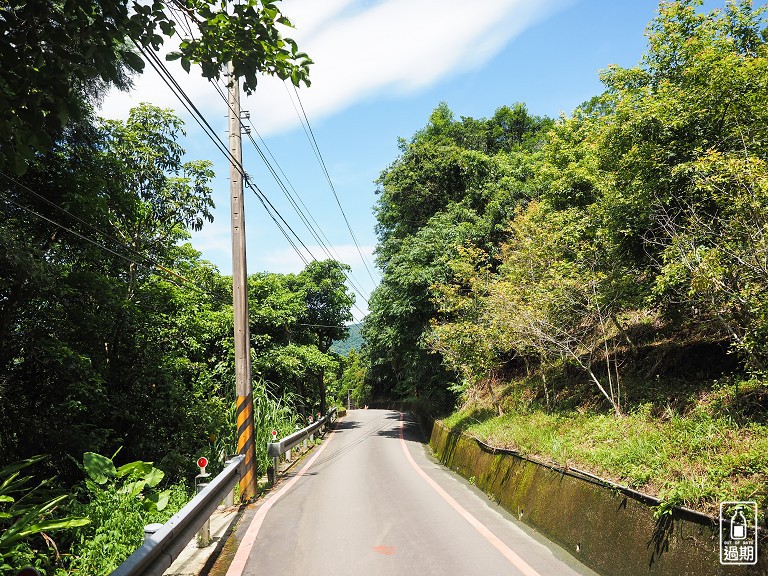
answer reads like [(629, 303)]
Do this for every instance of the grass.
[(695, 451)]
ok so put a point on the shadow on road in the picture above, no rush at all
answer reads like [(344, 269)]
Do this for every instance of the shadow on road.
[(380, 426), (412, 432), (346, 425)]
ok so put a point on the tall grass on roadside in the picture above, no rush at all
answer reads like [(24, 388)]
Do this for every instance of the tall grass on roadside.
[(696, 458), (270, 412)]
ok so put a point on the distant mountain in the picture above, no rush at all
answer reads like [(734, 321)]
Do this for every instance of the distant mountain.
[(353, 342)]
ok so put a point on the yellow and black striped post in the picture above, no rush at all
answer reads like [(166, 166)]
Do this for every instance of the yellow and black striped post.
[(245, 433), (246, 445)]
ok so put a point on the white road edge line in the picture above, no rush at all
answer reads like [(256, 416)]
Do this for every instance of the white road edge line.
[(237, 566), (505, 550)]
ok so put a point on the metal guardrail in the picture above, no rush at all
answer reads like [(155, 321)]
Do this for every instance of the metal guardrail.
[(160, 550), (277, 449)]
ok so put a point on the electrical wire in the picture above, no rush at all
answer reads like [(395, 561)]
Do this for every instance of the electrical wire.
[(88, 225), (146, 263), (316, 230), (158, 65), (179, 92), (316, 148)]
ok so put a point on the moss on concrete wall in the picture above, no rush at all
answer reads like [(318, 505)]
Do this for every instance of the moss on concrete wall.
[(613, 533)]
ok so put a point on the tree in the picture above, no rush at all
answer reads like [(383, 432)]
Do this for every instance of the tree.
[(294, 320), (351, 385), (328, 309), (454, 186), (59, 55), (155, 197), (401, 307), (93, 343), (466, 332), (328, 301), (683, 151), (553, 297), (547, 303)]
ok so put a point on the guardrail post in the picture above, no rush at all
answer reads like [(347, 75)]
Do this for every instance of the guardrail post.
[(150, 529), (282, 447), (204, 535), (162, 547), (275, 470), (229, 499)]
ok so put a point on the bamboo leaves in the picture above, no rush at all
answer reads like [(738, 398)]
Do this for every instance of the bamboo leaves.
[(27, 510)]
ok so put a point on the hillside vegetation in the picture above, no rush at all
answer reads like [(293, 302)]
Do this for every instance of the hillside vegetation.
[(592, 288), (353, 341), (116, 338)]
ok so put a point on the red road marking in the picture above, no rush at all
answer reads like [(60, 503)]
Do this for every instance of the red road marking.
[(386, 550), (237, 566), (494, 540)]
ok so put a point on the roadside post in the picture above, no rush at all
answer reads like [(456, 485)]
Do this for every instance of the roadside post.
[(150, 529), (311, 436), (275, 462), (204, 535)]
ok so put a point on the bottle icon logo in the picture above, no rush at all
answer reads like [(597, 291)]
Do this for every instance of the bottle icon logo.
[(738, 525), (738, 533)]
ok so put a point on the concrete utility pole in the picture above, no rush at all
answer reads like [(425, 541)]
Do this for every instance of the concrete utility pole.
[(245, 430)]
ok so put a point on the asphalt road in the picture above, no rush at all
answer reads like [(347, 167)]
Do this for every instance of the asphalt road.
[(371, 500)]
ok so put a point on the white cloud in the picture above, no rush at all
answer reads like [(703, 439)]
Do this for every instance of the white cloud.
[(393, 46), (361, 50), (214, 240)]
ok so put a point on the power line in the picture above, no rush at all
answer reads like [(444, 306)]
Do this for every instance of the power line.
[(88, 225), (319, 156), (262, 197), (319, 325), (316, 230), (68, 229), (179, 92), (152, 264)]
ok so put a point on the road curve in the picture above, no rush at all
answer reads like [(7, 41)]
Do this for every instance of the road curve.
[(372, 501)]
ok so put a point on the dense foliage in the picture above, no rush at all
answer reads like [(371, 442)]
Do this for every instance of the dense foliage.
[(115, 335), (522, 245), (456, 184), (58, 55)]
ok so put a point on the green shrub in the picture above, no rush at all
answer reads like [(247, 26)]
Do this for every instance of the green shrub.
[(120, 502), (27, 513)]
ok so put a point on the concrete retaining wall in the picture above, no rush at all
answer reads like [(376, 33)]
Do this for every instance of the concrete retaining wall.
[(610, 531)]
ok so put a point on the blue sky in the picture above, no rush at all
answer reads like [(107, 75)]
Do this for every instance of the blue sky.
[(381, 67)]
